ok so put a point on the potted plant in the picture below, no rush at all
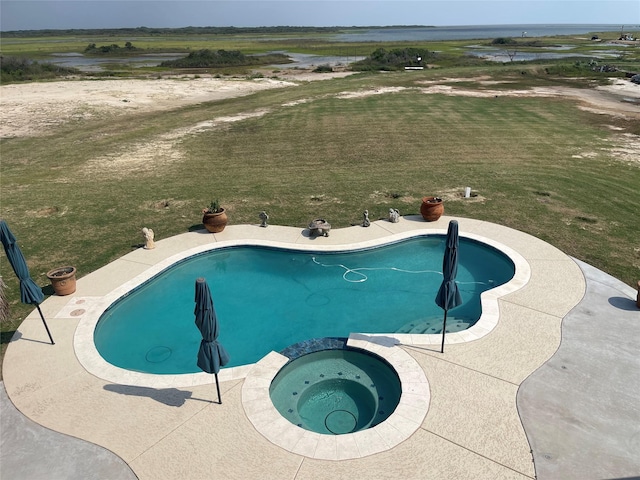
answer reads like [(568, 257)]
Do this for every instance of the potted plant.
[(63, 280), (431, 208), (214, 217)]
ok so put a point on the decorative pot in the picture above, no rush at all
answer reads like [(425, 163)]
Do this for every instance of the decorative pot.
[(431, 208), (63, 280), (215, 222), (319, 226)]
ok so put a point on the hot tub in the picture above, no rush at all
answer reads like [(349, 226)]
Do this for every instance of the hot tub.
[(336, 392)]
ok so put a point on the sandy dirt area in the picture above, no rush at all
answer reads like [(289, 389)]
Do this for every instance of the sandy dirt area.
[(32, 109), (621, 98)]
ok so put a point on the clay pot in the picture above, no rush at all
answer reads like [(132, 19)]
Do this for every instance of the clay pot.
[(431, 208), (63, 280), (215, 222)]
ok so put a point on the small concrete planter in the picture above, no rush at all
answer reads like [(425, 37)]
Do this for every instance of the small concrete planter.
[(63, 280)]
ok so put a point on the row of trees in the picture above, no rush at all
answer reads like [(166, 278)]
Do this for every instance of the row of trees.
[(142, 31), (113, 48)]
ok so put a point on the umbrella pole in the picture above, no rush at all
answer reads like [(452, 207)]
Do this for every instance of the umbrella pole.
[(218, 388), (444, 327), (45, 325)]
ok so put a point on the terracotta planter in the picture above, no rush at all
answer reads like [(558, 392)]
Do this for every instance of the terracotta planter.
[(63, 280), (431, 208), (215, 222)]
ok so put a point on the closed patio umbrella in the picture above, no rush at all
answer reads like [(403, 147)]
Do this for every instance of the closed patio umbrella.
[(30, 293), (448, 296), (211, 355)]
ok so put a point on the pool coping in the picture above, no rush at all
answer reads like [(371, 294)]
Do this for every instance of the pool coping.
[(89, 357)]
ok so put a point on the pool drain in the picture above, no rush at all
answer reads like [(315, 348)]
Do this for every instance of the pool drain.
[(158, 354), (340, 422)]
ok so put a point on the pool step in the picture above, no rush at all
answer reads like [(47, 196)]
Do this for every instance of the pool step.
[(433, 326)]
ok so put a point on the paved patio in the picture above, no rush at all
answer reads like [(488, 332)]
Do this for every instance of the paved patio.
[(481, 392)]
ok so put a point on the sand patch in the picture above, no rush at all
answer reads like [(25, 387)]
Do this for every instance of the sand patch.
[(368, 93), (31, 109), (480, 78), (605, 100), (627, 148), (624, 147), (146, 157)]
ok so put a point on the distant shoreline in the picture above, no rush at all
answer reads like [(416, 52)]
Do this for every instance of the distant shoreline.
[(229, 30)]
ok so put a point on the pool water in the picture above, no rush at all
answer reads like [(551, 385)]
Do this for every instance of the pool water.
[(335, 392), (267, 299)]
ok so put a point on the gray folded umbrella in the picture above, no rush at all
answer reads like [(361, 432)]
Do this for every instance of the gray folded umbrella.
[(448, 296), (30, 293), (211, 355)]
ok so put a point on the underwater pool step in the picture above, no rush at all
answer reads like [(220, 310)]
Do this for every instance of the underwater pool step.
[(433, 326)]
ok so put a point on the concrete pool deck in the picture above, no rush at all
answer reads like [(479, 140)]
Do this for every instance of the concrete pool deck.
[(481, 392)]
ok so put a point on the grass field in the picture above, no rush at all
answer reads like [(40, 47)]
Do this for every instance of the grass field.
[(542, 166)]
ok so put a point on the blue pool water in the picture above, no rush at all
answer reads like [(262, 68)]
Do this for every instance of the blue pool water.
[(267, 299)]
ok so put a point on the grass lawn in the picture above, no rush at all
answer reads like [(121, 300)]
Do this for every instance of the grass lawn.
[(542, 166)]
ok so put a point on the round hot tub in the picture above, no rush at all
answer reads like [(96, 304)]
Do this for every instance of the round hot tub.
[(335, 392)]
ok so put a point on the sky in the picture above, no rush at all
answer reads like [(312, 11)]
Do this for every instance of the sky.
[(66, 14)]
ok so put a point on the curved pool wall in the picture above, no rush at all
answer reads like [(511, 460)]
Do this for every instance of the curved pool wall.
[(93, 362), (268, 298)]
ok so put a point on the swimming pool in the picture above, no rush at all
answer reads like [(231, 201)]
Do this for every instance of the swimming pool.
[(269, 298)]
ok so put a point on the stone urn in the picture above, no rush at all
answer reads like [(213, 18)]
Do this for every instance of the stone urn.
[(63, 280), (431, 208), (215, 222), (319, 226)]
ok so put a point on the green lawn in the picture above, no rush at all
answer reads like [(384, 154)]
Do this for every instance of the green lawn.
[(542, 166)]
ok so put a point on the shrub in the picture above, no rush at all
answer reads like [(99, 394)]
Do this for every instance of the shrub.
[(223, 58), (396, 59), (114, 48), (503, 41), (323, 68), (16, 69)]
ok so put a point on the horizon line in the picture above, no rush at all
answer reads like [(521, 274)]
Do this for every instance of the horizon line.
[(317, 27)]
